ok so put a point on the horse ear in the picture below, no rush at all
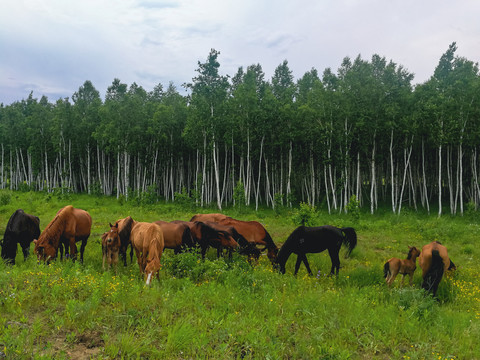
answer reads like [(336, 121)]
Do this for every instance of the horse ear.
[(409, 247), (110, 224)]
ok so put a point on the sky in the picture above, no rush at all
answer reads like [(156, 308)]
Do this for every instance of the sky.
[(51, 47)]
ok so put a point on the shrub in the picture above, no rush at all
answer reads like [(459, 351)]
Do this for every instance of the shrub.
[(305, 215), (239, 195), (353, 208)]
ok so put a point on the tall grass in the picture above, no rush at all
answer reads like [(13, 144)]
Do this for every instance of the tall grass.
[(230, 309)]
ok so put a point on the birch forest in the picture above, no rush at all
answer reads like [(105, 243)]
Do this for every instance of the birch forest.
[(364, 131)]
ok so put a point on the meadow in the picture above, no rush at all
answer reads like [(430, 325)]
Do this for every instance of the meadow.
[(222, 309)]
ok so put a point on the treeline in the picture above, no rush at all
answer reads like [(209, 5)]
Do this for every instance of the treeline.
[(364, 131)]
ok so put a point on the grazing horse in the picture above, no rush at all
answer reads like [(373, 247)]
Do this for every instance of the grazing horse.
[(254, 232), (69, 226), (396, 266), (305, 240), (176, 236), (148, 242), (434, 260), (21, 228), (206, 235), (245, 247), (111, 247)]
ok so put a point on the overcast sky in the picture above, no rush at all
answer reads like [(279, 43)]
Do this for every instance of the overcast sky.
[(51, 47)]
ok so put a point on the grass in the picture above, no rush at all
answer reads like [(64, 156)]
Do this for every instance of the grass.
[(231, 310)]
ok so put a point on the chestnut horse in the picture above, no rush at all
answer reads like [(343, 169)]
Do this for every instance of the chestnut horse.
[(176, 236), (434, 260), (254, 232), (111, 247), (205, 235), (148, 242), (396, 266), (21, 229), (305, 240), (69, 226)]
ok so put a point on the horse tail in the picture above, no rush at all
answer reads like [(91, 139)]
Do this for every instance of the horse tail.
[(349, 239), (434, 274), (386, 269)]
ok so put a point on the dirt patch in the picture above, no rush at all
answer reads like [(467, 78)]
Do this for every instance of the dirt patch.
[(83, 346)]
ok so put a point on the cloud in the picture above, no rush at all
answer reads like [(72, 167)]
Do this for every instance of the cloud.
[(53, 46)]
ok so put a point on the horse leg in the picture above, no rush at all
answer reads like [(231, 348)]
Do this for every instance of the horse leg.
[(73, 248), (403, 278), (25, 249), (411, 278), (335, 260), (82, 250), (297, 264), (307, 265)]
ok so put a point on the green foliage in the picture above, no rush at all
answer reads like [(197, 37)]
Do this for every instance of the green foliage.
[(5, 197), (353, 208), (239, 196), (305, 215), (184, 200), (218, 308)]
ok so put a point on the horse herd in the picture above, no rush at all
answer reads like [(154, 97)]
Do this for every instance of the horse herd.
[(249, 238)]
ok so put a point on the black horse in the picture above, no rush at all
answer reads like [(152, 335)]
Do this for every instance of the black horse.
[(22, 228), (305, 240)]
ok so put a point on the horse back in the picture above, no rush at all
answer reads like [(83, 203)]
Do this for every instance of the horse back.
[(79, 223), (143, 234), (252, 231), (172, 233)]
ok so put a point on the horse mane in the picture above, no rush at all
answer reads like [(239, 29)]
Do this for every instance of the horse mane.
[(55, 228), (409, 255), (187, 238)]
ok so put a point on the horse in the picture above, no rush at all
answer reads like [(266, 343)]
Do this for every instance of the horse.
[(111, 247), (124, 228), (434, 260), (206, 235), (176, 236), (240, 243), (254, 232), (305, 240), (148, 242), (21, 228), (69, 226), (396, 266)]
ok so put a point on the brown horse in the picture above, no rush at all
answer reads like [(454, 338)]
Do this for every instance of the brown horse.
[(210, 234), (255, 233), (148, 242), (69, 226), (396, 266), (111, 247), (177, 236), (434, 260)]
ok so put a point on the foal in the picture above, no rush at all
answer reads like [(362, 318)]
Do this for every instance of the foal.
[(394, 266)]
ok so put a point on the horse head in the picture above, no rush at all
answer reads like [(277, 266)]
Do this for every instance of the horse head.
[(45, 250), (113, 236)]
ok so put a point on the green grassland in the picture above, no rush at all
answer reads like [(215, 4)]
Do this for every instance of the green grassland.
[(220, 309)]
